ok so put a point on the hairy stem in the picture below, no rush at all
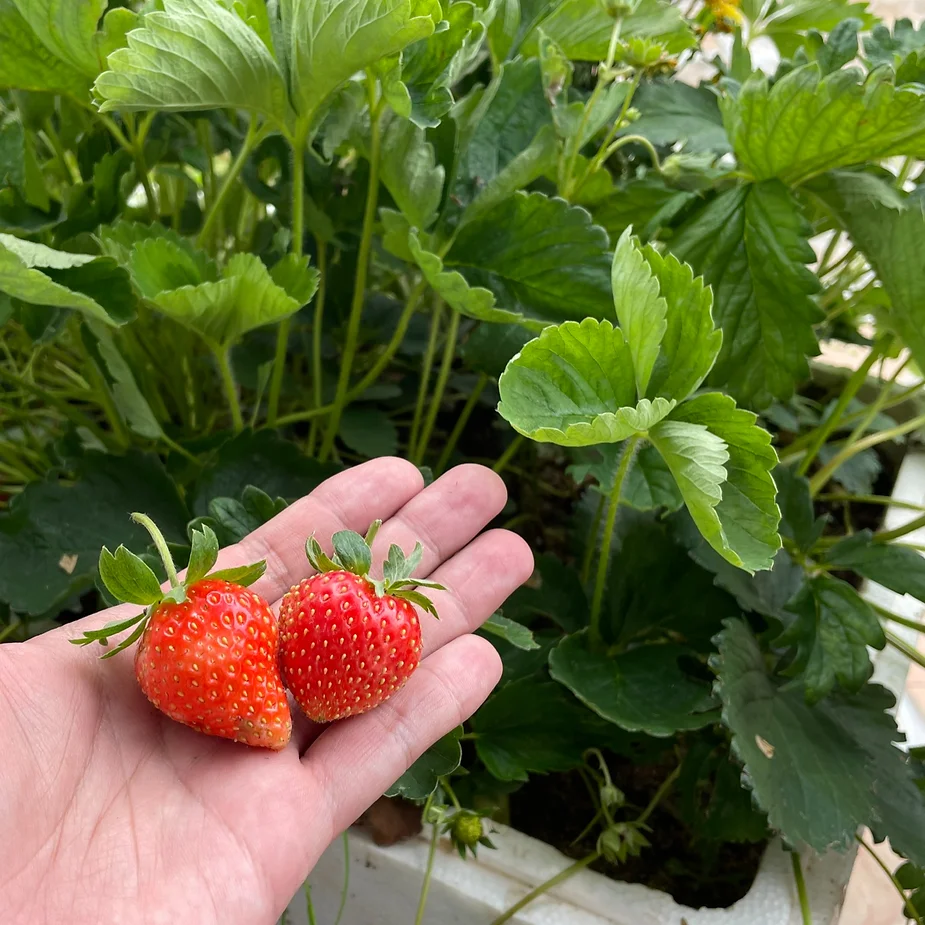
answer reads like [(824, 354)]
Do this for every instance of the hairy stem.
[(428, 871), (223, 359), (138, 155), (427, 365), (436, 400), (161, 545), (512, 449), (363, 258), (629, 452), (346, 885), (321, 248), (909, 910), (591, 544), (801, 888)]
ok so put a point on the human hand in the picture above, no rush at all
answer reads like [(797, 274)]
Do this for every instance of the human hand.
[(111, 813)]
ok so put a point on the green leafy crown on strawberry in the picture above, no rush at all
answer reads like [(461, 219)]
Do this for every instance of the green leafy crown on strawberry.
[(353, 553), (131, 580)]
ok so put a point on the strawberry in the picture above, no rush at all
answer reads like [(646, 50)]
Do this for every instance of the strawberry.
[(208, 651), (348, 641)]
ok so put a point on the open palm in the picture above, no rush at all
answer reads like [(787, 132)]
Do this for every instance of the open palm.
[(112, 813)]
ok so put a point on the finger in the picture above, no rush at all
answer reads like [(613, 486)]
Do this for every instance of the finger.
[(376, 748), (350, 500), (444, 517), (478, 580)]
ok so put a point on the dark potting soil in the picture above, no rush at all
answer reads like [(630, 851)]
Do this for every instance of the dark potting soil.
[(555, 808)]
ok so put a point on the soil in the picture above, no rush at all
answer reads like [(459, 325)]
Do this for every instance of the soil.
[(555, 808)]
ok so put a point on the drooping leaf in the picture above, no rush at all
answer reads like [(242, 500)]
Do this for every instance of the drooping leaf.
[(510, 631), (329, 41), (898, 568), (194, 55), (751, 245), (410, 173), (49, 524), (221, 312), (536, 725), (832, 629), (819, 771), (540, 257), (39, 275), (574, 386), (807, 124), (26, 63), (421, 779), (641, 690)]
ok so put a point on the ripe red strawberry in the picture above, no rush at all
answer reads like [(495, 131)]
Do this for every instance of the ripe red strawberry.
[(209, 647), (347, 641)]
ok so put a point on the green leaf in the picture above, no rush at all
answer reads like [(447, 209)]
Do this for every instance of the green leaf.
[(489, 348), (642, 690), (539, 256), (554, 591), (410, 172), (221, 312), (243, 575), (194, 55), (329, 41), (351, 550), (641, 310), (421, 779), (203, 553), (296, 277), (26, 63), (787, 23), (832, 629), (369, 432), (898, 568), (741, 524), (581, 28), (233, 519), (798, 517), (128, 578), (672, 112), (884, 47), (806, 124), (67, 29), (751, 244), (263, 460), (573, 385), (888, 237), (49, 521), (820, 772), (649, 483), (536, 725), (94, 286), (515, 633)]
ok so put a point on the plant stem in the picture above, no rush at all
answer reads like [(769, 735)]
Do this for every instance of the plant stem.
[(298, 235), (54, 142), (428, 870), (603, 561), (427, 364), (592, 539), (309, 905), (827, 254), (321, 247), (436, 400), (821, 478), (223, 359), (251, 139), (801, 888), (560, 877), (346, 886), (461, 423), (910, 911), (639, 140), (885, 500), (363, 257), (664, 787), (888, 535), (161, 545), (103, 396), (896, 618), (598, 158), (902, 646), (510, 452), (852, 386), (138, 155)]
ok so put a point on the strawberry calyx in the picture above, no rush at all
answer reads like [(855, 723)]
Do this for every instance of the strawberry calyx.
[(353, 553), (131, 580)]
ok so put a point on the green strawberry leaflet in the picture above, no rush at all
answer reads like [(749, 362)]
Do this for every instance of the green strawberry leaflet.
[(353, 553), (130, 579)]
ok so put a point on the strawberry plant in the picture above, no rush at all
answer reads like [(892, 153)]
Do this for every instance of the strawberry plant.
[(597, 245)]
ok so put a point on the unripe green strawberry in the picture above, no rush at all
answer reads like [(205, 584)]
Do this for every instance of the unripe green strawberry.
[(208, 651), (348, 642)]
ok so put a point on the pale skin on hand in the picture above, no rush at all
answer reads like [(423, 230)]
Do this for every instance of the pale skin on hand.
[(114, 813)]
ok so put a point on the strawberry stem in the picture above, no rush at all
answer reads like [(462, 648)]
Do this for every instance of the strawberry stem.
[(161, 545)]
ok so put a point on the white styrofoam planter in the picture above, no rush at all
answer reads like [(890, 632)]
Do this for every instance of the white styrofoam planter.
[(385, 883)]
